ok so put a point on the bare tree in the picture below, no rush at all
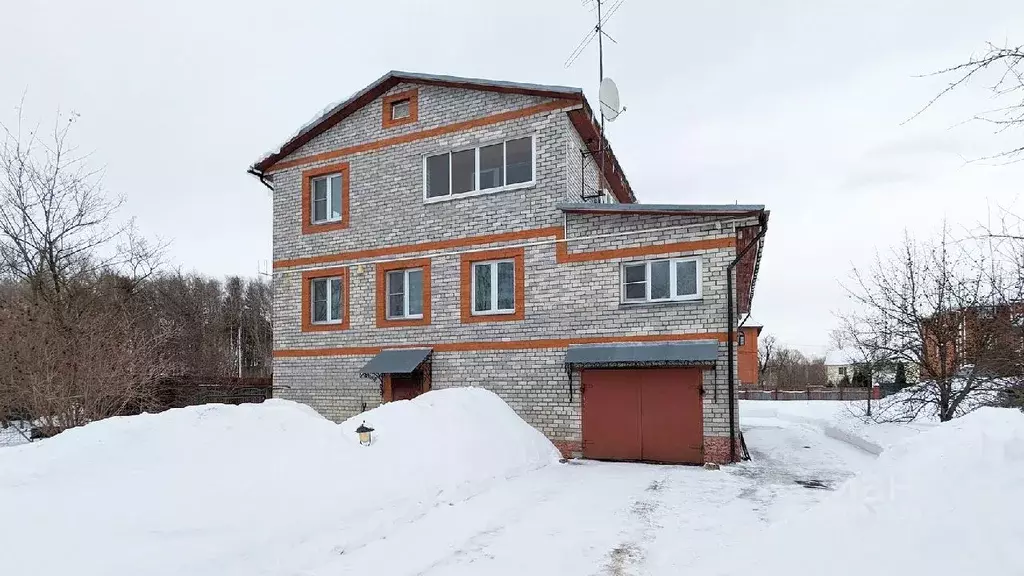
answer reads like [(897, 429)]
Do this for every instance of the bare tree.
[(790, 369), (76, 339), (1003, 68), (947, 307), (764, 354)]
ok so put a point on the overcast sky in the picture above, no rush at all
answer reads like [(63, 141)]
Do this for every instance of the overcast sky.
[(798, 105)]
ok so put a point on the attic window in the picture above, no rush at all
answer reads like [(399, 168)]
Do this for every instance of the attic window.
[(400, 108)]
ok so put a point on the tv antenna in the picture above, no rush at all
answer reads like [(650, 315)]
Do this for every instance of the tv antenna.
[(608, 95)]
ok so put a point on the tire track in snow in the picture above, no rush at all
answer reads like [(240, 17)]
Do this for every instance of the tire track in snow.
[(630, 556)]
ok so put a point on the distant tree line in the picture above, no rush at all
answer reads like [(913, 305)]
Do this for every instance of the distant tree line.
[(785, 368), (89, 322)]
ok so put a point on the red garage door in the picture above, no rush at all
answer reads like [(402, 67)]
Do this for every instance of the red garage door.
[(650, 414)]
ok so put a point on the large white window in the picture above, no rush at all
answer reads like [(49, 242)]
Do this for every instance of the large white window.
[(494, 287), (326, 192), (661, 280), (405, 294), (326, 300), (477, 170)]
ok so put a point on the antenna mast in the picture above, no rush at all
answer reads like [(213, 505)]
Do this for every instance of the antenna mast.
[(600, 79), (607, 94)]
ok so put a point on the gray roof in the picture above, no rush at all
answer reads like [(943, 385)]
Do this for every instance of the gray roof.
[(482, 82), (695, 352), (662, 208), (397, 361)]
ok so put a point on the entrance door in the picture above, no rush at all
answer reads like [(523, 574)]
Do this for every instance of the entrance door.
[(406, 386), (649, 414)]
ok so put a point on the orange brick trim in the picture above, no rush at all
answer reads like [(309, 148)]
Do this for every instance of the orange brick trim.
[(382, 292), (467, 242), (466, 284), (537, 344), (563, 256), (424, 134), (307, 299), (307, 198), (388, 101)]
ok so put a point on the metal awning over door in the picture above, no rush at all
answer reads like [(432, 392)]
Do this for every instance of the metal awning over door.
[(397, 361)]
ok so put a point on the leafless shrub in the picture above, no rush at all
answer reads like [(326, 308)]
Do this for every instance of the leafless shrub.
[(951, 307)]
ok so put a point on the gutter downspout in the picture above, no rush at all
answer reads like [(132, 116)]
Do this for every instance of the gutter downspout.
[(732, 333), (261, 176)]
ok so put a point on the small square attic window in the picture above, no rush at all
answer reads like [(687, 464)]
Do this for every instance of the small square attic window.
[(400, 108)]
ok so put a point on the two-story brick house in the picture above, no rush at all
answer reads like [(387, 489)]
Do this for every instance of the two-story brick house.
[(431, 232)]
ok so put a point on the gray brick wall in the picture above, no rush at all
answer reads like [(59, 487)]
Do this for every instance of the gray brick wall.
[(562, 300), (386, 185)]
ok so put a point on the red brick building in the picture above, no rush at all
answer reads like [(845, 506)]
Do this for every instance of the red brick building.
[(747, 362)]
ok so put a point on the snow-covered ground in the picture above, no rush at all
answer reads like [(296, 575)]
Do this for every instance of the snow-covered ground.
[(457, 484)]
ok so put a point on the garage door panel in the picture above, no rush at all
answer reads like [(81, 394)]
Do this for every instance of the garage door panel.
[(671, 419), (611, 416), (652, 414)]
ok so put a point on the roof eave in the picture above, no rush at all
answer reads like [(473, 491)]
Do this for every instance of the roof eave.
[(388, 81)]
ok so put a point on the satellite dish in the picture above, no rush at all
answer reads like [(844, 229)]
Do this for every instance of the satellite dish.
[(609, 96)]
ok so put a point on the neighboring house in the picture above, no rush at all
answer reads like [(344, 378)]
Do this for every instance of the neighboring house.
[(988, 337), (746, 347), (432, 232), (843, 363)]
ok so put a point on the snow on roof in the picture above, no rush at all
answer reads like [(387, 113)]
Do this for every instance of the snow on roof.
[(842, 357), (752, 322)]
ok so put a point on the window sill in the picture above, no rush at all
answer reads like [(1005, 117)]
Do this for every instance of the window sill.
[(499, 317), (402, 322), (632, 305), (476, 193), (325, 326), (325, 222)]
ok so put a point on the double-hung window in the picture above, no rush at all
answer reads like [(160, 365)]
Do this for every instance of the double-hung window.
[(670, 279), (494, 287), (326, 198), (326, 300), (483, 169), (405, 294)]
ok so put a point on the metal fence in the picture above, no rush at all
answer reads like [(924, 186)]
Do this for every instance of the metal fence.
[(178, 392), (812, 393)]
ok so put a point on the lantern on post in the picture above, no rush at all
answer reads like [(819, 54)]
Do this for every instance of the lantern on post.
[(364, 434)]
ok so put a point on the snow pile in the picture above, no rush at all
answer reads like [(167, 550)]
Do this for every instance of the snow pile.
[(252, 489), (838, 419), (944, 502)]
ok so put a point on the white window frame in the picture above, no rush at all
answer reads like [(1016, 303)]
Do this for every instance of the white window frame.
[(673, 297), (405, 292), (476, 191), (312, 300), (494, 310), (396, 103), (312, 198)]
